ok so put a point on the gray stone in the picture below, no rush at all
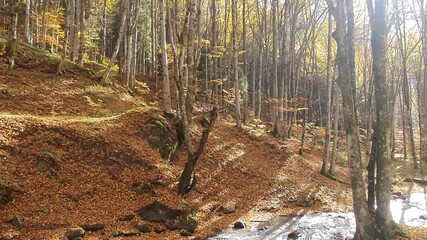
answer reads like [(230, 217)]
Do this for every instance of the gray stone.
[(185, 233), (15, 221), (142, 227), (229, 207), (239, 225), (93, 227), (127, 218), (159, 229), (42, 165), (424, 217), (74, 233)]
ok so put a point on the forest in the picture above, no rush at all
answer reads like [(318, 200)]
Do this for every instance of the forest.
[(131, 119)]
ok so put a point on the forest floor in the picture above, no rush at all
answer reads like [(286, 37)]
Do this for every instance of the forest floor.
[(103, 170)]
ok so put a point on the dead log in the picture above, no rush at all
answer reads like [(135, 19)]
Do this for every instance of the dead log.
[(415, 180)]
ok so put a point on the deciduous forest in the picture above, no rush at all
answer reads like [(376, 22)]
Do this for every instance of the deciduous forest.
[(211, 119)]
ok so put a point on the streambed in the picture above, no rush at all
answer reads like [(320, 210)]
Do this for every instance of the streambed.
[(411, 211)]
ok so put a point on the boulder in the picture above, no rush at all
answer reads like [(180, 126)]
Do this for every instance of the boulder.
[(143, 227), (47, 161), (74, 233), (185, 233), (5, 195), (158, 212), (228, 207), (161, 136), (159, 229), (294, 235), (93, 227), (14, 221), (239, 225), (184, 222), (125, 233)]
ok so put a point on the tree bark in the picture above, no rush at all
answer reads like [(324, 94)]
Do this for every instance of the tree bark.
[(165, 65), (326, 150), (382, 155), (82, 32), (236, 66), (27, 32), (105, 76), (364, 227)]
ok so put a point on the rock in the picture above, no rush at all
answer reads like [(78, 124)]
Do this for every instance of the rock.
[(14, 220), (229, 207), (157, 212), (125, 233), (42, 165), (140, 189), (93, 227), (294, 235), (161, 136), (5, 195), (239, 225), (46, 161), (159, 229), (307, 203), (184, 222), (142, 227), (127, 218), (129, 233), (7, 237), (185, 233), (74, 233), (424, 217)]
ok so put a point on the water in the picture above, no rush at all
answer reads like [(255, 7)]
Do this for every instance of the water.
[(324, 226)]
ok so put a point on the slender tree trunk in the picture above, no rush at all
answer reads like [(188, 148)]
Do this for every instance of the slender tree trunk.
[(326, 151), (124, 15), (336, 135), (153, 40), (423, 90), (82, 32), (236, 66), (275, 105), (165, 65), (44, 23), (27, 21)]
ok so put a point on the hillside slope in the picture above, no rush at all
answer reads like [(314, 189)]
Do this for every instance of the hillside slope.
[(73, 152)]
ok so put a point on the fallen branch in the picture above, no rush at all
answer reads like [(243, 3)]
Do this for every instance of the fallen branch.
[(415, 180)]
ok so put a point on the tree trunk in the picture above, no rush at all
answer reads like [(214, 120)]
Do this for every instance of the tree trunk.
[(326, 150), (165, 65), (236, 66), (336, 121), (104, 79), (423, 90), (364, 227), (82, 32), (27, 31), (275, 105), (382, 128)]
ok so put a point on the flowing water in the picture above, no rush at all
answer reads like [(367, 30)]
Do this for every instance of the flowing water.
[(411, 211)]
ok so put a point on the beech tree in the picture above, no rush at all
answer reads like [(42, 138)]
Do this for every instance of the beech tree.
[(383, 123), (342, 13)]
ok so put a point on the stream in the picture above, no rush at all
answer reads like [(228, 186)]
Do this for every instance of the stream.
[(323, 226)]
